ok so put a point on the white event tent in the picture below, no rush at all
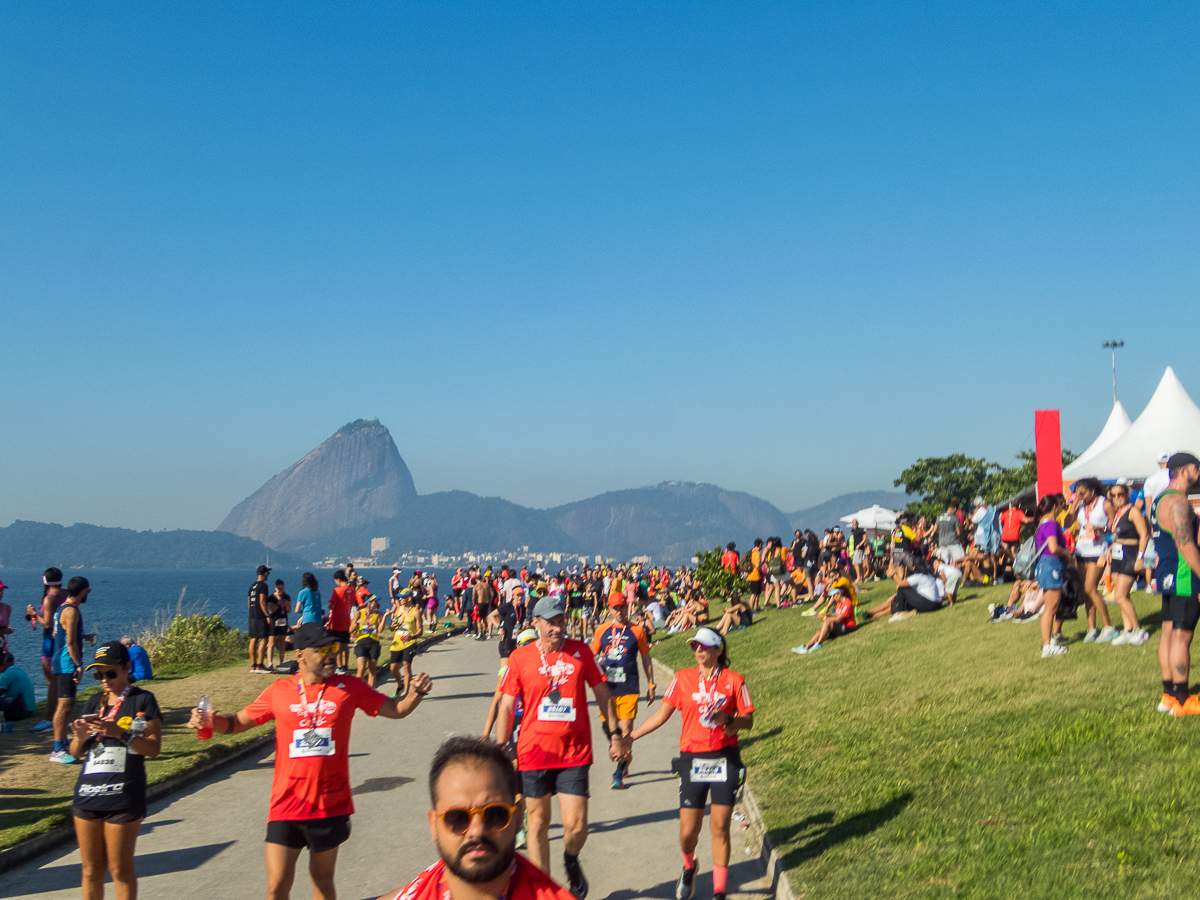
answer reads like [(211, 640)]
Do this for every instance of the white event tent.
[(1117, 424), (873, 518), (1170, 422)]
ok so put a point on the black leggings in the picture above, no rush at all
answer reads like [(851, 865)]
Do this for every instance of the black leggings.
[(907, 598)]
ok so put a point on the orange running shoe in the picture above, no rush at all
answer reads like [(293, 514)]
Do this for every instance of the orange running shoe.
[(1169, 705), (1191, 706)]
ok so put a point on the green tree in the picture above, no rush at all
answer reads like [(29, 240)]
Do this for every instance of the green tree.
[(939, 478), (715, 582)]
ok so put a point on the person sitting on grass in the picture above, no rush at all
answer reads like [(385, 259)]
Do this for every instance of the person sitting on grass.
[(951, 577), (838, 579), (692, 614), (916, 592), (1025, 602), (838, 621), (737, 615)]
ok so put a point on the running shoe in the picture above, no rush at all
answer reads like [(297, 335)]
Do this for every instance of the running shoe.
[(618, 782), (1123, 637), (1004, 616), (901, 616), (1053, 650), (62, 756), (802, 650), (42, 727), (577, 884), (1140, 636), (1025, 618), (685, 887), (1091, 635), (1107, 634), (1169, 705), (1058, 640), (1190, 707), (809, 612)]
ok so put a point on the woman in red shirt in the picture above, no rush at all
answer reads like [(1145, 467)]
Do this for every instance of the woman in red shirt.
[(715, 706)]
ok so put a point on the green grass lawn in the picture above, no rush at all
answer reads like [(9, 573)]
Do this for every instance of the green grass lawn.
[(941, 756)]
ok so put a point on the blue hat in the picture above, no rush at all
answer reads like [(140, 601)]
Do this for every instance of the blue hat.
[(549, 607)]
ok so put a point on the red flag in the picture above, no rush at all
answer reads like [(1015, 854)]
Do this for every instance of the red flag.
[(1048, 441)]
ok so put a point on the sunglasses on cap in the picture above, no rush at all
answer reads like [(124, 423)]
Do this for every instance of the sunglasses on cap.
[(496, 817), (109, 674)]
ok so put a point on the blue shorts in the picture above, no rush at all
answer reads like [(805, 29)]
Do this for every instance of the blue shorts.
[(1050, 573)]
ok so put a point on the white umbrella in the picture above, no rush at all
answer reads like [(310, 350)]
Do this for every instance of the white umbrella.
[(873, 517)]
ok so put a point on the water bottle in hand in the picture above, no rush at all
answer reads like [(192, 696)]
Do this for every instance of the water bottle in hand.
[(204, 707)]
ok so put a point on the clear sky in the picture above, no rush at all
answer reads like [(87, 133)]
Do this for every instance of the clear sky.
[(564, 248)]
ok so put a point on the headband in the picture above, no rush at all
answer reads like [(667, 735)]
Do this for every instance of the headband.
[(51, 583)]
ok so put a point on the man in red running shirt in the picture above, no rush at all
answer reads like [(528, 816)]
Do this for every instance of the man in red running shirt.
[(554, 751), (341, 601), (474, 822), (310, 796)]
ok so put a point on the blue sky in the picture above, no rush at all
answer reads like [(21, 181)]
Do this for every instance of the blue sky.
[(565, 248)]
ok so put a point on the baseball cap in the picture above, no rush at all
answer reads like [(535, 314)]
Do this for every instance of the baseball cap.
[(263, 570), (418, 572), (111, 654), (617, 600), (311, 634), (705, 637), (549, 607), (1181, 459), (1163, 456)]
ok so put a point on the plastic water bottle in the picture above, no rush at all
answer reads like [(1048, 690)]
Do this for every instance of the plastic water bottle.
[(138, 728), (204, 707)]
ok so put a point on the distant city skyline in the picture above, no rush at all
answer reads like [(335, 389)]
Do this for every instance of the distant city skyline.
[(565, 249)]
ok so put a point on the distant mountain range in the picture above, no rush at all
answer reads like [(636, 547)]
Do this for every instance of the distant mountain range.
[(827, 514), (36, 545), (356, 487)]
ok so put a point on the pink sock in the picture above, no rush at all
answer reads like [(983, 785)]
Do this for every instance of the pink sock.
[(720, 873), (689, 860)]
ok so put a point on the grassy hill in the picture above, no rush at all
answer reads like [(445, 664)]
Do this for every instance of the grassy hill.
[(941, 756)]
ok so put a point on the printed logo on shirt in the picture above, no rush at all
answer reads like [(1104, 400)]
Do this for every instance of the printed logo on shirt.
[(328, 708), (559, 669)]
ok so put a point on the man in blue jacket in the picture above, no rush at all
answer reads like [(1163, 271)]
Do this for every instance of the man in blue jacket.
[(139, 661)]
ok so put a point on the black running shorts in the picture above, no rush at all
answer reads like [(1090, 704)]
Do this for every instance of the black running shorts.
[(402, 656), (756, 587), (367, 648), (1125, 566), (259, 629), (318, 835), (1182, 612), (68, 687), (694, 770), (540, 782), (111, 816)]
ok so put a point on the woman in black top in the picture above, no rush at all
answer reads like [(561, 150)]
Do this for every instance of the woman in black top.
[(110, 794)]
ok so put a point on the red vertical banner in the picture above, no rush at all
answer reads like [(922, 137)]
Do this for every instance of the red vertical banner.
[(1048, 441)]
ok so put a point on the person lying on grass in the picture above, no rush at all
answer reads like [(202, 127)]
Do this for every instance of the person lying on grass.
[(737, 615), (839, 621), (1025, 601)]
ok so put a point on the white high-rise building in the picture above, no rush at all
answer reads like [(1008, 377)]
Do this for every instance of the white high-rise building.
[(380, 545)]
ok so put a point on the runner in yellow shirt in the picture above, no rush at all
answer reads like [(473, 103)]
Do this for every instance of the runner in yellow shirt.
[(409, 628)]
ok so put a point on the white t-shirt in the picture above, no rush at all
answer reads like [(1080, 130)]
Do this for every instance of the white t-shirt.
[(657, 612), (1093, 521), (979, 514), (932, 589), (1155, 485), (509, 584)]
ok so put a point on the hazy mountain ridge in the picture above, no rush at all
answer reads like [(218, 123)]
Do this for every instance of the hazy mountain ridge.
[(35, 545), (827, 514)]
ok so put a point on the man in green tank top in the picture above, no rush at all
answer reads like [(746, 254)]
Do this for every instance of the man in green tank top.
[(1177, 578)]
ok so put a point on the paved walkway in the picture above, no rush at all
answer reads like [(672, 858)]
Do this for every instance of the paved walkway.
[(207, 841)]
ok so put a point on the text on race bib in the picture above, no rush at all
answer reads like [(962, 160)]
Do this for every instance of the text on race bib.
[(710, 770), (562, 711), (314, 742), (110, 761)]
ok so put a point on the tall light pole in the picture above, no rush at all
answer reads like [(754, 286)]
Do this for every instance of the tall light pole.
[(1113, 345)]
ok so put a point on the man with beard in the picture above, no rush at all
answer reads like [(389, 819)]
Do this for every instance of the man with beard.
[(310, 796), (474, 821)]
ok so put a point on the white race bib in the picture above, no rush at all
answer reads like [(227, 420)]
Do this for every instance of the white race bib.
[(311, 742), (1118, 551), (110, 761), (616, 675), (562, 711), (710, 770)]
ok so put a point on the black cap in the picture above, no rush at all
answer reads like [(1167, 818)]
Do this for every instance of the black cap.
[(111, 654), (263, 570), (311, 634), (1181, 459)]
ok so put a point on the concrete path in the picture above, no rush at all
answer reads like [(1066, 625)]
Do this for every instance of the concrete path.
[(207, 841)]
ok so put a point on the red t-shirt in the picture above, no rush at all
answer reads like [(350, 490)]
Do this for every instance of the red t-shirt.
[(1011, 521), (843, 611), (528, 883), (553, 735), (312, 783), (340, 602), (726, 693)]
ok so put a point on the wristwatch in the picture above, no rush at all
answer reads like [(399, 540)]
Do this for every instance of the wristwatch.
[(127, 737)]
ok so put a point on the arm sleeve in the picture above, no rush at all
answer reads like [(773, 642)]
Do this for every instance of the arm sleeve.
[(643, 644), (261, 709), (365, 697)]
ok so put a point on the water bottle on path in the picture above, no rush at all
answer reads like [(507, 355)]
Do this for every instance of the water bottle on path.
[(204, 707)]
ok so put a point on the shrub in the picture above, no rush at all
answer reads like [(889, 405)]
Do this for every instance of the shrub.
[(190, 642), (715, 582)]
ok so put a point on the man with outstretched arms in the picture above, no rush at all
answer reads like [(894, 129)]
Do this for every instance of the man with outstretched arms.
[(619, 647), (310, 796), (554, 751), (1177, 576), (474, 817)]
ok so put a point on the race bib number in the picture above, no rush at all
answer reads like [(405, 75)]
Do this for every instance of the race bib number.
[(562, 711), (311, 742), (616, 675), (107, 761), (1118, 551), (710, 771)]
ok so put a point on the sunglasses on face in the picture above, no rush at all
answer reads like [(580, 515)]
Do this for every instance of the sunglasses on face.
[(325, 650), (496, 817), (101, 676)]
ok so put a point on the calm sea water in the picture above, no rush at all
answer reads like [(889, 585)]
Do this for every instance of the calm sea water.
[(123, 602)]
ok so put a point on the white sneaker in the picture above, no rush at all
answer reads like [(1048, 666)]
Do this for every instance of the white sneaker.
[(1090, 635), (1058, 640), (1107, 634), (801, 650), (1140, 636), (1053, 650), (1125, 637)]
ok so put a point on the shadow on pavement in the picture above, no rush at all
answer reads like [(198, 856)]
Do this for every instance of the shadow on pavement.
[(740, 872), (459, 696), (62, 878), (820, 834), (148, 827), (372, 785), (659, 815)]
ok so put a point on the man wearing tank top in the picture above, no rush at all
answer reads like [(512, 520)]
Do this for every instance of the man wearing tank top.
[(1177, 575)]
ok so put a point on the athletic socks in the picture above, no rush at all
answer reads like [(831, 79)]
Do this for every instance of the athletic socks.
[(1180, 691), (720, 874), (689, 860), (60, 745), (1169, 688)]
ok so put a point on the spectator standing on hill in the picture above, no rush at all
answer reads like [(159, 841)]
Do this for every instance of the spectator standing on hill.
[(17, 699), (139, 660), (53, 596), (280, 605), (858, 549), (1011, 521), (311, 801), (1050, 570), (754, 575), (5, 620), (1126, 555), (949, 534), (1177, 575), (1093, 513), (258, 625), (341, 601), (66, 662), (308, 601)]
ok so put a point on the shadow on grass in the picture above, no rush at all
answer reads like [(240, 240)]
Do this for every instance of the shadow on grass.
[(820, 834), (750, 738)]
